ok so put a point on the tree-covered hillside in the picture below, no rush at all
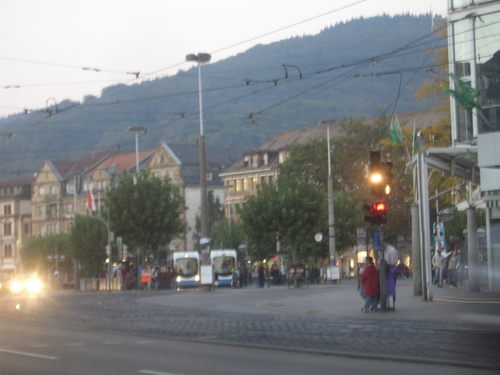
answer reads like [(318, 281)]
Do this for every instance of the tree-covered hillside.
[(353, 69)]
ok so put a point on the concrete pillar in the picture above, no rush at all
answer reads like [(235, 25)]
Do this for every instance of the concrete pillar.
[(472, 250), (416, 253)]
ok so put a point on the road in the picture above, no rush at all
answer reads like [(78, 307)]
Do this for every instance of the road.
[(248, 330)]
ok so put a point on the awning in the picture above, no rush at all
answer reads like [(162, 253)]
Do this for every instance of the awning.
[(460, 161)]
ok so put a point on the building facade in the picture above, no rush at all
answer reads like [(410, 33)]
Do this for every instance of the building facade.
[(15, 227), (474, 58)]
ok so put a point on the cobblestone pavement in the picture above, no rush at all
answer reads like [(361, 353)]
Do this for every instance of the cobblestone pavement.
[(325, 319)]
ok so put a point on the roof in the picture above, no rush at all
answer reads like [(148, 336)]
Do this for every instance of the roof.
[(122, 161), (67, 169), (285, 139), (190, 155)]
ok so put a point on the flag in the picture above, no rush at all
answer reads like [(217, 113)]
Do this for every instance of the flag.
[(465, 95), (396, 135), (90, 200)]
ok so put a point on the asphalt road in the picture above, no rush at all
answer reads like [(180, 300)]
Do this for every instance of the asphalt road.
[(320, 321)]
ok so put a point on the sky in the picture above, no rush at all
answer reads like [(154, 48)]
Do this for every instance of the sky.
[(53, 50)]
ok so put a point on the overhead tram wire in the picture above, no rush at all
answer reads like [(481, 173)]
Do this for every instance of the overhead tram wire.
[(244, 42)]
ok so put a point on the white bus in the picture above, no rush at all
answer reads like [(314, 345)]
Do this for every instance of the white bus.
[(224, 262), (187, 265)]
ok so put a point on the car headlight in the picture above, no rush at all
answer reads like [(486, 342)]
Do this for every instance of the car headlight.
[(16, 286), (33, 286), (178, 279), (197, 278)]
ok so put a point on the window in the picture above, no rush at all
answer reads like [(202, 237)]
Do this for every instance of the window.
[(41, 190), (262, 180), (69, 208), (7, 209), (70, 188), (53, 190), (42, 230), (245, 184), (26, 228), (270, 179), (209, 176), (7, 229), (254, 183), (238, 185), (41, 211), (7, 252)]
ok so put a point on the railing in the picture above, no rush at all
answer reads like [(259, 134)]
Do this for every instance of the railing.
[(98, 284)]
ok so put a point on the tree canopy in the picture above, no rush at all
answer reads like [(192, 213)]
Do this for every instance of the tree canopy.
[(145, 211), (291, 210)]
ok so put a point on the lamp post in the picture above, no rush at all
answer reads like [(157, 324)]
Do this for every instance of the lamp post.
[(202, 58), (331, 215), (137, 130), (228, 187), (56, 259)]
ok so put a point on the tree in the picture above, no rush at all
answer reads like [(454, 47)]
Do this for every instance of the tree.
[(215, 213), (227, 236), (144, 210), (292, 210), (34, 255), (88, 237)]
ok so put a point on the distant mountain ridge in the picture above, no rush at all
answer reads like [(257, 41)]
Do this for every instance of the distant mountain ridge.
[(353, 69)]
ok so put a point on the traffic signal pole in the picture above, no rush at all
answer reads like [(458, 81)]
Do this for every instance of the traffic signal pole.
[(382, 265)]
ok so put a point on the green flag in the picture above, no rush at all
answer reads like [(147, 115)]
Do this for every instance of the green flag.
[(395, 132), (465, 95)]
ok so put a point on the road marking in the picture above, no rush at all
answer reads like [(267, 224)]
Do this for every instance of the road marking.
[(152, 372), (144, 342), (27, 354)]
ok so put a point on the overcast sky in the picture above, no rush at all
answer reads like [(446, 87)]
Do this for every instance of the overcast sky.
[(46, 44)]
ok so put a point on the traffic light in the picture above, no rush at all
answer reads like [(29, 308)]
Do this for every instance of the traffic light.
[(377, 212), (379, 176)]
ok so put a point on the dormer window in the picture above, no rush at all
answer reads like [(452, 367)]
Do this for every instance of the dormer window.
[(266, 158)]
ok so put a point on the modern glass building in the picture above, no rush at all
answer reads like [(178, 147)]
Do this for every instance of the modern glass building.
[(474, 58)]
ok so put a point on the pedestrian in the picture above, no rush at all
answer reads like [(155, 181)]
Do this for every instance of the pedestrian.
[(123, 274), (391, 256), (438, 265), (260, 272), (156, 278), (173, 279), (370, 285), (361, 288), (452, 269)]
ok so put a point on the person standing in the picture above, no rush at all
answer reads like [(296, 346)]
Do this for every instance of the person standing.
[(370, 285), (452, 269), (391, 256), (438, 264)]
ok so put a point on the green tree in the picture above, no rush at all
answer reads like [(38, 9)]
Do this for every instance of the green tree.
[(35, 255), (145, 211), (292, 210), (227, 236), (89, 238)]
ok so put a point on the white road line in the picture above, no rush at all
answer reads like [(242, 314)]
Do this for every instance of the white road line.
[(152, 372), (27, 354)]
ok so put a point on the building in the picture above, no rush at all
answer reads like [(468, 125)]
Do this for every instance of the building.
[(15, 217), (60, 188), (262, 165), (181, 164)]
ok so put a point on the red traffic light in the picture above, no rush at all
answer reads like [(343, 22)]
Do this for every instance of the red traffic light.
[(377, 212)]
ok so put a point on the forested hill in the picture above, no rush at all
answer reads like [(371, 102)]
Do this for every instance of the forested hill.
[(353, 69)]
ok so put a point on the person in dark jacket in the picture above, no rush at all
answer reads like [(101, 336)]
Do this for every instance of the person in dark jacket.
[(370, 285)]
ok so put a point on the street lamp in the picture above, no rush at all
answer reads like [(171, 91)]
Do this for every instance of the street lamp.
[(331, 215), (56, 259), (137, 130), (228, 187), (202, 58)]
